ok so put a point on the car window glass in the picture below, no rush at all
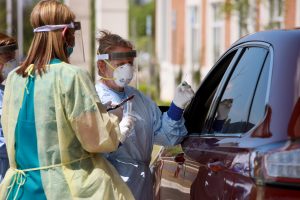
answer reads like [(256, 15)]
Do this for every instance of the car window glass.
[(233, 108), (196, 112), (258, 106)]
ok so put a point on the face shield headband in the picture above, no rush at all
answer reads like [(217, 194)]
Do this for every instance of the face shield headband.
[(117, 55), (47, 28), (79, 50), (8, 48)]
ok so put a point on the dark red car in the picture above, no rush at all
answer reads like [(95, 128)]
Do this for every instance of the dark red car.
[(244, 126)]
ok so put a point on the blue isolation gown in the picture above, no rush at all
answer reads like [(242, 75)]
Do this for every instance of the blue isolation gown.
[(26, 154), (151, 127), (3, 153)]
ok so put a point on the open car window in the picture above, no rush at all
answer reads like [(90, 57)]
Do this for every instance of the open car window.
[(197, 111), (231, 99), (231, 114)]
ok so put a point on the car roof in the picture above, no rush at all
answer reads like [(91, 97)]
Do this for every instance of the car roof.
[(274, 37)]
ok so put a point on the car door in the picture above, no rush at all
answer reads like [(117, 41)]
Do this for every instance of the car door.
[(174, 173), (230, 102)]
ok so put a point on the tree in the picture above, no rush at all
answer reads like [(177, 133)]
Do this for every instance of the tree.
[(139, 14), (2, 16), (137, 22), (242, 9)]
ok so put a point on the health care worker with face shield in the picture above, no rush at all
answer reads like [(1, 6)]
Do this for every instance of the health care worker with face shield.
[(115, 67), (53, 122), (8, 62)]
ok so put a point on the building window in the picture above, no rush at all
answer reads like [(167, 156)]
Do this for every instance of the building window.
[(247, 13), (276, 14), (195, 33), (217, 27)]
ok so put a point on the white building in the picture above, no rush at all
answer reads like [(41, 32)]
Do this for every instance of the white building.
[(192, 34), (112, 15)]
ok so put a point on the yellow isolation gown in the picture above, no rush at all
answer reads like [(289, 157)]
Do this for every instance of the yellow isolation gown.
[(71, 128)]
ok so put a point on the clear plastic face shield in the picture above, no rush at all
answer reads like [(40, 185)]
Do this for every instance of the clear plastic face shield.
[(123, 65), (8, 52), (74, 42), (13, 48)]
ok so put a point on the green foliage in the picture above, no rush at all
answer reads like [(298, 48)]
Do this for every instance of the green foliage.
[(162, 103), (138, 13), (92, 39), (242, 8), (172, 151), (142, 43), (228, 7), (27, 28), (197, 76), (137, 25), (2, 16), (272, 25), (239, 6), (150, 91), (179, 77)]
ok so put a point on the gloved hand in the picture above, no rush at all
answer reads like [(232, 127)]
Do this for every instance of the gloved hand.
[(126, 126), (183, 95), (107, 104), (223, 109), (118, 112)]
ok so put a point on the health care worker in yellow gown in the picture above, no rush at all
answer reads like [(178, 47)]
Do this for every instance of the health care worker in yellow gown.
[(151, 126), (53, 122)]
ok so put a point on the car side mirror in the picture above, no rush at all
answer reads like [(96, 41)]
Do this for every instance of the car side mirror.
[(179, 158)]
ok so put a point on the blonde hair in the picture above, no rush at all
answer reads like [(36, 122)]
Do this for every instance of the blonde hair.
[(6, 40), (47, 45), (108, 42)]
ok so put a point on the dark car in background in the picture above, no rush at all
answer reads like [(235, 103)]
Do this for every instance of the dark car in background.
[(253, 152)]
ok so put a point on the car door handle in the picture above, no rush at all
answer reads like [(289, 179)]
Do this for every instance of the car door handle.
[(216, 166)]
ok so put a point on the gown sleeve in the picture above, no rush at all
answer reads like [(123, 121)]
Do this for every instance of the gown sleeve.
[(167, 132), (96, 129)]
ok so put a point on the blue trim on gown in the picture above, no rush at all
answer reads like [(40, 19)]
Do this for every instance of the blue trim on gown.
[(26, 147)]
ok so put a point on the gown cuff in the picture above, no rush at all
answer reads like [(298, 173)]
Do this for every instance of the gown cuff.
[(174, 112)]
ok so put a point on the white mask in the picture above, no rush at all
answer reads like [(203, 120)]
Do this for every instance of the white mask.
[(123, 75), (8, 67)]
